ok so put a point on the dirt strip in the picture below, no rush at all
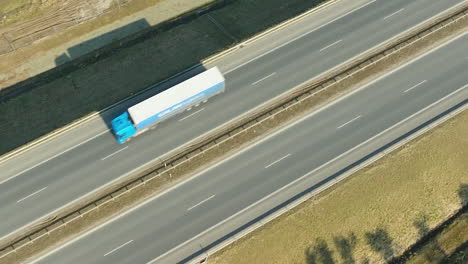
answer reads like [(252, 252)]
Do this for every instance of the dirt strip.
[(271, 119)]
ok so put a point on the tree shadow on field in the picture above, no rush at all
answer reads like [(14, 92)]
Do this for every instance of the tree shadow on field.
[(463, 193), (423, 230), (429, 246), (320, 253), (437, 254), (346, 246), (381, 242), (421, 225)]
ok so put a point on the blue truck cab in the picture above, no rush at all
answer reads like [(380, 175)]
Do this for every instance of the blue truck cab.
[(123, 128)]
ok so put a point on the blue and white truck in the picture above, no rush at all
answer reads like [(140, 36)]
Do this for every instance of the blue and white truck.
[(167, 104)]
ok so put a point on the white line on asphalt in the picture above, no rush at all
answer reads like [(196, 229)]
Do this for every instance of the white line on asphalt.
[(279, 131), (201, 202), (334, 43), (271, 164), (110, 155), (302, 177), (117, 248), (233, 156), (354, 119), (36, 192), (394, 13), (298, 37), (191, 114), (407, 90), (42, 162), (264, 78)]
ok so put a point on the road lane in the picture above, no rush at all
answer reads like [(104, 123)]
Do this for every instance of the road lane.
[(83, 169), (161, 225)]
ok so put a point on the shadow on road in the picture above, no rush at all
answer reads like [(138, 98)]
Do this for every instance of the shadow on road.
[(83, 84)]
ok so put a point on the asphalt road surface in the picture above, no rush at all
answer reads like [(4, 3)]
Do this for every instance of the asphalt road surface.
[(42, 180), (291, 161)]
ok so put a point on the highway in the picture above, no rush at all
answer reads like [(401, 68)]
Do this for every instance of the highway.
[(42, 180), (291, 161)]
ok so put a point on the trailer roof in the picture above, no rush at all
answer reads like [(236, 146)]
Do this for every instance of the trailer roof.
[(175, 94)]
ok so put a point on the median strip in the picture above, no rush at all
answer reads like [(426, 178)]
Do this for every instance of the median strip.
[(282, 111)]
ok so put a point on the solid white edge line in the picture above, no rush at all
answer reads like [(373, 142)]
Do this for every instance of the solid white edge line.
[(36, 192), (196, 112), (323, 25), (304, 176), (211, 197), (328, 46), (249, 147), (264, 78), (112, 154), (414, 86), (350, 121), (278, 160), (117, 248), (394, 13), (300, 36), (53, 157)]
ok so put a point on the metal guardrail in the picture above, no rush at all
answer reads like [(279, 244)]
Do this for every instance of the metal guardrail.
[(287, 207), (275, 108)]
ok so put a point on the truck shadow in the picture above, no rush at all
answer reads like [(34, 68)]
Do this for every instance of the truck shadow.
[(101, 41), (87, 80)]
